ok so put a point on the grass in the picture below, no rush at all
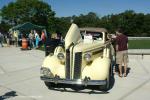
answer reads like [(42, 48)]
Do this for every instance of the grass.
[(139, 44), (133, 44)]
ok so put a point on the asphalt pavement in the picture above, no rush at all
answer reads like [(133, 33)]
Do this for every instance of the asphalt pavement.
[(20, 79)]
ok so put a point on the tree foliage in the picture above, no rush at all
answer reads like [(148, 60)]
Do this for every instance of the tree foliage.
[(34, 11), (90, 19), (133, 24), (40, 13)]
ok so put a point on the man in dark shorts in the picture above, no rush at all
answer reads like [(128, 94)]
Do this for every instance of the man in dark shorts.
[(121, 51)]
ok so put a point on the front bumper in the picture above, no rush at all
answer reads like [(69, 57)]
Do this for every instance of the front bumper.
[(84, 82)]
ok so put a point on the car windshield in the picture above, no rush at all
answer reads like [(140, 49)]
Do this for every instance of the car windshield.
[(94, 35)]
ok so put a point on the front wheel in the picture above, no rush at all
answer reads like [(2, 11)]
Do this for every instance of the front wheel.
[(106, 87)]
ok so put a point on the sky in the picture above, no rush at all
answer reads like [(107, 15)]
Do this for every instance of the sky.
[(65, 8)]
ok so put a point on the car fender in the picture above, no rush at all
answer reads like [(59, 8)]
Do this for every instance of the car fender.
[(98, 70), (55, 66)]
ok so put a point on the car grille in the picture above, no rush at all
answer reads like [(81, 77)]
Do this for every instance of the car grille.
[(67, 70), (77, 65)]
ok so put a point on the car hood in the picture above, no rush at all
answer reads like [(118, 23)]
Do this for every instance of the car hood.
[(73, 36), (85, 47)]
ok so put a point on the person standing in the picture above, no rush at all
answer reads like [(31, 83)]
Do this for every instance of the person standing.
[(8, 39), (1, 39), (15, 35), (121, 51), (31, 39), (37, 39), (43, 37)]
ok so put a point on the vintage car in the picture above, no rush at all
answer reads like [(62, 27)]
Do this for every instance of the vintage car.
[(84, 60)]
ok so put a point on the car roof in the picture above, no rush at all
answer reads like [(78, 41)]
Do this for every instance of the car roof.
[(92, 29)]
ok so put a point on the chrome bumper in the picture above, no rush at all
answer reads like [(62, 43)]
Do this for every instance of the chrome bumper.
[(84, 82)]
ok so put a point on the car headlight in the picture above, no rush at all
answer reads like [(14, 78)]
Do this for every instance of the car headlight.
[(87, 57), (61, 56), (46, 72)]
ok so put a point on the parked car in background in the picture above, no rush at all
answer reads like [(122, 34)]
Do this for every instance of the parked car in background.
[(84, 60)]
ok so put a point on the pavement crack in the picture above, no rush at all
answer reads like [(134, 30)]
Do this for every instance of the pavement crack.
[(22, 69), (135, 89), (1, 67), (143, 67)]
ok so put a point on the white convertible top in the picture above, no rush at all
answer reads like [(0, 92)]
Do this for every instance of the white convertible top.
[(93, 29)]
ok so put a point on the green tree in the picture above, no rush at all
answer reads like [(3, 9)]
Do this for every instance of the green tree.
[(4, 27), (60, 25), (35, 11), (89, 20), (146, 25)]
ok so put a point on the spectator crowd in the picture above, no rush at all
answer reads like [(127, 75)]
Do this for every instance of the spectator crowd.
[(34, 38)]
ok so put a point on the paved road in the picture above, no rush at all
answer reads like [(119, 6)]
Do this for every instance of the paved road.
[(20, 71)]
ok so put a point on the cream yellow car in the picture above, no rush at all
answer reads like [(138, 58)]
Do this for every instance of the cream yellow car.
[(84, 60)]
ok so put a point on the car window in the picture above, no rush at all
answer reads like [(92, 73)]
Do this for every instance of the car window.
[(96, 35), (83, 33)]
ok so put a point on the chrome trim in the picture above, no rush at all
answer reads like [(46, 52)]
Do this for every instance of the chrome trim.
[(77, 65), (67, 63), (73, 82)]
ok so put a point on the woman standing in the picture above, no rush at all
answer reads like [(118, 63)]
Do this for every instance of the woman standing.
[(37, 39)]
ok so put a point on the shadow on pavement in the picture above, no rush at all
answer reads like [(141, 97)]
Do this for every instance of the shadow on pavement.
[(8, 95), (128, 70), (80, 91), (117, 69)]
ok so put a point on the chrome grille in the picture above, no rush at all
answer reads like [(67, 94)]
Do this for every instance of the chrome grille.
[(77, 65), (67, 70)]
